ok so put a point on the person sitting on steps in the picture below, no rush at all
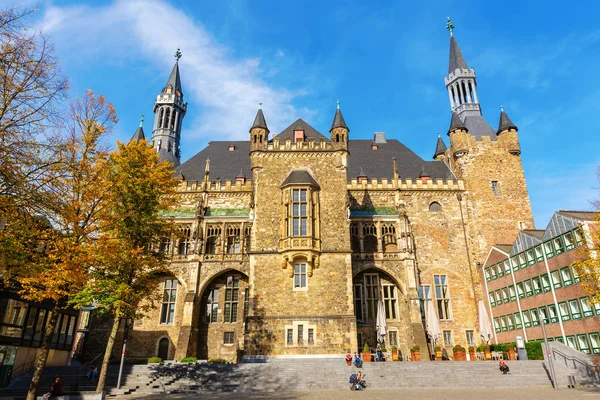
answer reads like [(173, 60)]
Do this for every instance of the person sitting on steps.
[(504, 368), (357, 360), (93, 372)]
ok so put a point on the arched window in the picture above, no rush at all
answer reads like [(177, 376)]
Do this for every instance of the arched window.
[(172, 124), (247, 238), (163, 348), (337, 137), (159, 144), (435, 207), (169, 146), (167, 117), (160, 117), (354, 238), (167, 311), (370, 238), (213, 236), (233, 239), (183, 246), (388, 235), (165, 245)]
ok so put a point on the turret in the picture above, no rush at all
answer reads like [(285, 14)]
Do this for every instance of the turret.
[(440, 149), (259, 132), (169, 110), (459, 137), (139, 133), (339, 130), (507, 134)]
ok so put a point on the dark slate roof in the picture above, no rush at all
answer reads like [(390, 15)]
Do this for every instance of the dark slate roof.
[(378, 163), (300, 124), (174, 79), (456, 58), (478, 126), (456, 123), (138, 135), (505, 123), (299, 177), (504, 247), (538, 233), (224, 164), (440, 147), (259, 120), (338, 121), (581, 215)]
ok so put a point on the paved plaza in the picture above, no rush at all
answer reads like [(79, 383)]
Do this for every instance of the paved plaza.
[(417, 394)]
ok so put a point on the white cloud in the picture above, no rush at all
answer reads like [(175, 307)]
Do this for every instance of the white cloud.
[(226, 90)]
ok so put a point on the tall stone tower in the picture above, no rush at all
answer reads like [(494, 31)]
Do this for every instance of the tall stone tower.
[(488, 160), (169, 110)]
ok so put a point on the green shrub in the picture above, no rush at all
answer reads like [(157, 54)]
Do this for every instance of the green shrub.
[(437, 348), (534, 350), (152, 360), (383, 350), (189, 360), (217, 361), (366, 348), (394, 348), (416, 347), (458, 347), (471, 348)]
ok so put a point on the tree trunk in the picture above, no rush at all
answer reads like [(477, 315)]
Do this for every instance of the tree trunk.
[(109, 347), (40, 362)]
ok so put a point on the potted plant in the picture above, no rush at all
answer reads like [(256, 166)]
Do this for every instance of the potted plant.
[(384, 354), (438, 353), (459, 353), (366, 354), (472, 353), (511, 352), (415, 353), (394, 353), (486, 351)]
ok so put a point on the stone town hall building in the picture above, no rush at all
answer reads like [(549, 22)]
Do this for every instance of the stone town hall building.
[(287, 240)]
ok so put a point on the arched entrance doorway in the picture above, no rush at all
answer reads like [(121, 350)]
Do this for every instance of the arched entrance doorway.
[(223, 310), (369, 287), (163, 348)]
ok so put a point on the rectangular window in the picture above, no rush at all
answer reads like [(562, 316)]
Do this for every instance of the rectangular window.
[(231, 298), (511, 322), (537, 286), (522, 261), (299, 212), (496, 325), (233, 239), (595, 342), (499, 270), (597, 308), (565, 273), (486, 272), (564, 311), (371, 295), (518, 321), (492, 299), (556, 279), (505, 297), (290, 336), (442, 296), (493, 271), (579, 236), (167, 312), (506, 267), (575, 309), (575, 274), (389, 301), (530, 257), (299, 275), (526, 319), (503, 324), (300, 335), (212, 306), (539, 253), (584, 345), (448, 338), (528, 287), (515, 263), (520, 290), (311, 336), (546, 286), (586, 307), (548, 249), (571, 342), (560, 339), (552, 313), (558, 245), (228, 337), (543, 314), (535, 319), (470, 338), (512, 293), (569, 241), (393, 338), (495, 188), (358, 302)]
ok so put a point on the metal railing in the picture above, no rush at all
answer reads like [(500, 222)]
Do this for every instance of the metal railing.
[(22, 368), (589, 368), (76, 386)]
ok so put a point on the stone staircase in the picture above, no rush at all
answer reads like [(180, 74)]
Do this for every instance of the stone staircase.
[(298, 375)]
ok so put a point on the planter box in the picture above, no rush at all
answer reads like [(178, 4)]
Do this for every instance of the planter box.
[(438, 355), (415, 355), (511, 354), (459, 356), (472, 356), (394, 355), (366, 357), (488, 356)]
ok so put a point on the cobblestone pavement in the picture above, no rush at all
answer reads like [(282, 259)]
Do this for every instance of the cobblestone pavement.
[(417, 394)]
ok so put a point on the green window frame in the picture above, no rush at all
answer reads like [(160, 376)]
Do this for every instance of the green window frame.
[(520, 290), (511, 322), (522, 260), (552, 313), (512, 293), (563, 309), (535, 317), (537, 285), (579, 236), (492, 299), (597, 308), (595, 342), (493, 272), (543, 314), (546, 282), (518, 321), (505, 297), (556, 282), (575, 309), (503, 324), (559, 247), (539, 253), (565, 274), (560, 339), (530, 257), (496, 325), (571, 342), (526, 319), (548, 249), (515, 263), (575, 274), (506, 265), (498, 297), (486, 273), (568, 241), (583, 343), (499, 270), (586, 307), (528, 287)]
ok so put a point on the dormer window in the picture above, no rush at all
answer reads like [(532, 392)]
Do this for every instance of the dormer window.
[(374, 146), (231, 147), (169, 89), (298, 136)]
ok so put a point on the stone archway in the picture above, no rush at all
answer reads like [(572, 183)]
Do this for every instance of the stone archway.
[(223, 310)]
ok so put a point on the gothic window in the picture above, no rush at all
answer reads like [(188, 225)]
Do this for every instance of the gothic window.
[(425, 297), (167, 311), (247, 234), (165, 245), (442, 296), (300, 275), (183, 246), (159, 144), (212, 306), (169, 146), (233, 239), (354, 238), (435, 207), (358, 302), (167, 117), (370, 238), (172, 123), (160, 117), (299, 212), (388, 233), (213, 238), (371, 282), (390, 301), (231, 298)]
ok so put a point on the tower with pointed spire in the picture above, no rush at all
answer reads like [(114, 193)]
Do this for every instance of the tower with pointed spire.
[(259, 132), (169, 110), (339, 130)]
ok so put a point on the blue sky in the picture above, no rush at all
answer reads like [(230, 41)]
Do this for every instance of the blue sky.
[(384, 61)]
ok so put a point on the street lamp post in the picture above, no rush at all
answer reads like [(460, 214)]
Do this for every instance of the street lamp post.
[(125, 334)]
